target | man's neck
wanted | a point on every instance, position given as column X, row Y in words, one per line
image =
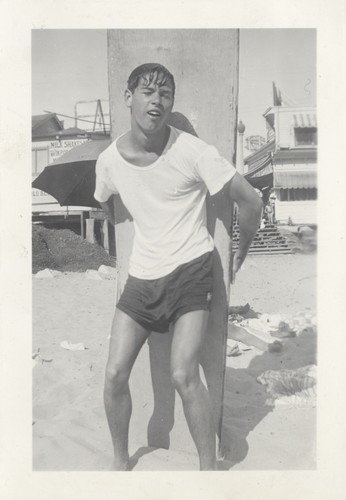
column 149, row 143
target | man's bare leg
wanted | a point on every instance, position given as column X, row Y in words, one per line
column 127, row 338
column 189, row 333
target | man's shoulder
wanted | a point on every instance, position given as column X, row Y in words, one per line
column 110, row 152
column 189, row 143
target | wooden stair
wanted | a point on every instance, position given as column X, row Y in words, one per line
column 267, row 241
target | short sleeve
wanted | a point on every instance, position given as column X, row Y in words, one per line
column 102, row 187
column 214, row 170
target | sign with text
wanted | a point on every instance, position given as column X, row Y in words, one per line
column 59, row 148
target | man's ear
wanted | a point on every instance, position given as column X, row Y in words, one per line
column 128, row 98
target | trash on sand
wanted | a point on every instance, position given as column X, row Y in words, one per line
column 107, row 272
column 233, row 350
column 293, row 387
column 37, row 358
column 266, row 325
column 236, row 348
column 73, row 347
column 259, row 332
column 284, row 331
column 254, row 338
column 241, row 310
column 91, row 274
column 303, row 321
column 47, row 273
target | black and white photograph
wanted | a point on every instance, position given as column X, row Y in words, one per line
column 174, row 258
column 202, row 244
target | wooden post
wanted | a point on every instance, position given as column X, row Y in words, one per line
column 111, row 240
column 108, row 237
column 90, row 230
column 205, row 66
column 82, row 224
column 105, row 235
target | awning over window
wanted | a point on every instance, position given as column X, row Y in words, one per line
column 261, row 182
column 295, row 179
column 301, row 155
column 304, row 120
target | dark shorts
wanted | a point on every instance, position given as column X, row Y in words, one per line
column 154, row 304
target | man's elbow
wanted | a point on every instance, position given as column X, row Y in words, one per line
column 252, row 204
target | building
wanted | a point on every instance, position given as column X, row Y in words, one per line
column 286, row 164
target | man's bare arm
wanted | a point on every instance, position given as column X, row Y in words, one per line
column 250, row 209
column 108, row 208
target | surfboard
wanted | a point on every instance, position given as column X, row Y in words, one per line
column 205, row 66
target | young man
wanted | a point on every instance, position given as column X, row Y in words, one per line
column 162, row 176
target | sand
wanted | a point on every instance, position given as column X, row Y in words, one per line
column 69, row 426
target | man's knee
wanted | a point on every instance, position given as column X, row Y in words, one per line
column 116, row 378
column 184, row 380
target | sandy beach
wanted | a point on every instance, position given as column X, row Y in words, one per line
column 70, row 432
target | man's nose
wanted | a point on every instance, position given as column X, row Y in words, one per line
column 156, row 98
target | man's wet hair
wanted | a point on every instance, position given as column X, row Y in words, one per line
column 150, row 72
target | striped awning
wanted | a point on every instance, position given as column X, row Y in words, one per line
column 304, row 120
column 261, row 167
column 295, row 179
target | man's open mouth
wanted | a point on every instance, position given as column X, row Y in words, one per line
column 155, row 114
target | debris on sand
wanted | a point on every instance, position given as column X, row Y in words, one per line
column 91, row 274
column 274, row 325
column 107, row 272
column 239, row 310
column 72, row 347
column 37, row 358
column 259, row 331
column 247, row 339
column 292, row 387
column 47, row 274
column 233, row 349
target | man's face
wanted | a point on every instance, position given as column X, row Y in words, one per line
column 150, row 104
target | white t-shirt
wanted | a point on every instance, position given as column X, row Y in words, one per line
column 166, row 200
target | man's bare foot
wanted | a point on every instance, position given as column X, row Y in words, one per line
column 211, row 467
column 208, row 465
column 121, row 465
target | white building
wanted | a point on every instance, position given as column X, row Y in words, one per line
column 287, row 163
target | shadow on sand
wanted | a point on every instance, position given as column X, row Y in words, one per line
column 297, row 352
column 238, row 420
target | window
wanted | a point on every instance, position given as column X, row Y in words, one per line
column 298, row 194
column 306, row 136
column 39, row 160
